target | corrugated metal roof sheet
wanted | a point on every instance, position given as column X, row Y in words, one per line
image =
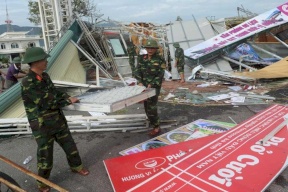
column 9, row 97
column 63, row 65
column 191, row 33
column 16, row 110
column 67, row 66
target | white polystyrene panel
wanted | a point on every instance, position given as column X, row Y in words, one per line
column 112, row 95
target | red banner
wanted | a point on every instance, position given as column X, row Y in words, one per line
column 224, row 162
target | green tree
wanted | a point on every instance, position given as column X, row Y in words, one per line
column 5, row 60
column 86, row 8
column 34, row 14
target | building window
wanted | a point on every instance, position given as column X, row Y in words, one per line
column 31, row 44
column 117, row 47
column 3, row 46
column 14, row 45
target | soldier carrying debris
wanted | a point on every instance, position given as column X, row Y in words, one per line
column 131, row 50
column 149, row 73
column 43, row 104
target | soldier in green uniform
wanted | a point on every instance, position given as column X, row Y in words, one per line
column 43, row 104
column 179, row 61
column 169, row 67
column 131, row 50
column 149, row 73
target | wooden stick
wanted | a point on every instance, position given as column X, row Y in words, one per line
column 49, row 183
column 11, row 186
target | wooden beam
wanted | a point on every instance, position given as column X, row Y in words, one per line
column 35, row 176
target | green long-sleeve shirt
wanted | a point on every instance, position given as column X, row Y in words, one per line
column 150, row 71
column 43, row 102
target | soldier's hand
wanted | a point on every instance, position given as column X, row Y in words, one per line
column 140, row 84
column 74, row 100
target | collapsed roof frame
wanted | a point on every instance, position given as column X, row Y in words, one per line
column 221, row 44
column 146, row 31
column 99, row 60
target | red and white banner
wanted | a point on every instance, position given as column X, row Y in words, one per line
column 267, row 20
column 230, row 161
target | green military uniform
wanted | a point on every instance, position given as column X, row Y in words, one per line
column 151, row 71
column 179, row 57
column 169, row 67
column 132, row 53
column 43, row 104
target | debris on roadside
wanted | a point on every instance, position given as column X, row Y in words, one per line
column 200, row 92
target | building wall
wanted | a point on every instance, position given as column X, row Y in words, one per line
column 22, row 46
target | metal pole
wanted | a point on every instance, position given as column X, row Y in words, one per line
column 69, row 8
column 273, row 132
column 279, row 40
column 185, row 36
column 265, row 51
column 97, row 76
column 122, row 79
column 238, row 63
column 58, row 15
column 80, row 37
column 122, row 38
column 88, row 56
column 198, row 29
column 43, row 24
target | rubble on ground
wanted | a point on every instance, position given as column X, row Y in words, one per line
column 201, row 92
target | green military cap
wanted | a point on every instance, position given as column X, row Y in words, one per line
column 17, row 60
column 34, row 54
column 151, row 43
column 176, row 45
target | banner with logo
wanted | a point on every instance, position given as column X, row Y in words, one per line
column 227, row 161
column 267, row 20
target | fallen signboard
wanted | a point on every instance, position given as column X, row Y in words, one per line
column 196, row 129
column 268, row 20
column 229, row 161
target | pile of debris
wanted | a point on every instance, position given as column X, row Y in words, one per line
column 201, row 92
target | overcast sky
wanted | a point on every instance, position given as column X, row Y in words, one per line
column 155, row 11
